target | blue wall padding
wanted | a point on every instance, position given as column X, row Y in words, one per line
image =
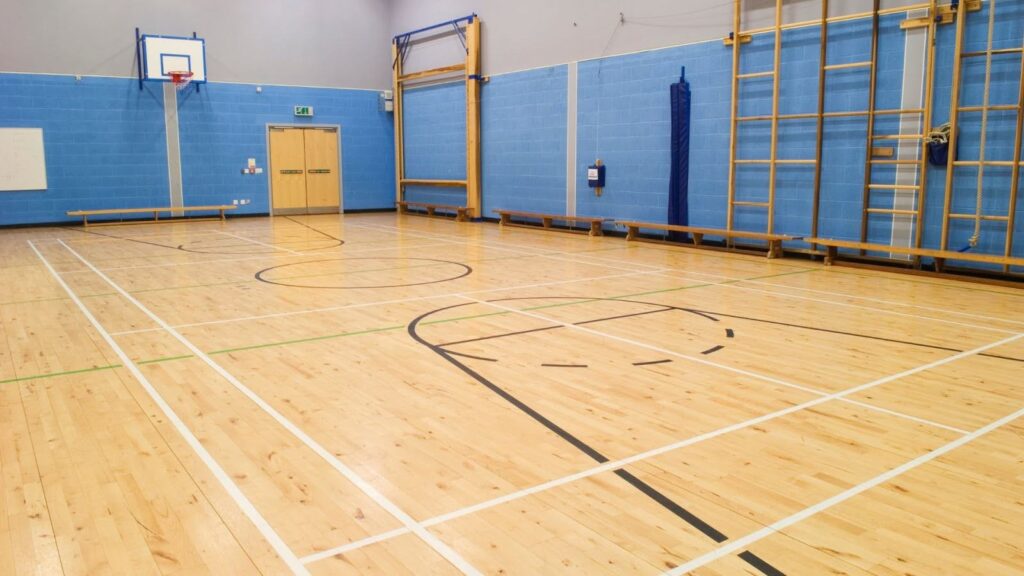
column 679, row 179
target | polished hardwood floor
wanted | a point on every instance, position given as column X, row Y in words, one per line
column 383, row 394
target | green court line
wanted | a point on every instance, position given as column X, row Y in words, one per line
column 63, row 373
column 393, row 328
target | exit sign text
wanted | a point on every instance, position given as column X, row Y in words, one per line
column 303, row 110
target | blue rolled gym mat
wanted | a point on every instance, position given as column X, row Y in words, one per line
column 679, row 179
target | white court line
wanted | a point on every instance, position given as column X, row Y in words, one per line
column 343, row 251
column 726, row 284
column 879, row 300
column 810, row 511
column 271, row 246
column 827, row 292
column 395, row 301
column 222, row 477
column 705, row 362
column 646, row 455
column 430, row 539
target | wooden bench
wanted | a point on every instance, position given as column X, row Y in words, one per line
column 832, row 247
column 430, row 209
column 546, row 220
column 155, row 211
column 697, row 234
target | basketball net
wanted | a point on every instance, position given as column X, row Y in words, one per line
column 180, row 79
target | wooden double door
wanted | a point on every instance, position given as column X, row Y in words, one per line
column 304, row 170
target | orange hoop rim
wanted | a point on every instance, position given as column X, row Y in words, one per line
column 180, row 77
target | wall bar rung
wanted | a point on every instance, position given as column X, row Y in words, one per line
column 886, row 112
column 993, row 52
column 893, row 187
column 972, row 217
column 897, row 137
column 433, row 182
column 866, row 64
column 896, row 162
column 999, row 107
column 756, row 74
column 891, row 211
column 442, row 71
column 809, row 161
column 750, row 203
column 1010, row 163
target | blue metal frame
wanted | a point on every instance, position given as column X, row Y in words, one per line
column 403, row 40
column 143, row 65
column 455, row 22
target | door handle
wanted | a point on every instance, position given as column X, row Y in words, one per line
column 319, row 171
column 291, row 171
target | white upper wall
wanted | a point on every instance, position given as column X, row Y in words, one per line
column 523, row 34
column 338, row 43
column 346, row 43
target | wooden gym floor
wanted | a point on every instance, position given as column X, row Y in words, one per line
column 376, row 394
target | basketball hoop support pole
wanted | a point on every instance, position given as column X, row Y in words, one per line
column 138, row 56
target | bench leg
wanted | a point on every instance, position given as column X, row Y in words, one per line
column 430, row 210
column 505, row 219
column 222, row 218
column 830, row 255
column 461, row 215
column 595, row 229
column 698, row 238
column 940, row 263
column 774, row 249
column 631, row 233
column 546, row 222
column 156, row 216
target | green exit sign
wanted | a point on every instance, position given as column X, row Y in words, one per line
column 303, row 110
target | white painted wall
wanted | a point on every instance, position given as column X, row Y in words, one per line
column 339, row 43
column 524, row 34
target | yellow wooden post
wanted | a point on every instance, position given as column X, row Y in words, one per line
column 954, row 113
column 396, row 94
column 473, row 191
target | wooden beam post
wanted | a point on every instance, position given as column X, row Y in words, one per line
column 735, row 109
column 473, row 79
column 954, row 114
column 396, row 95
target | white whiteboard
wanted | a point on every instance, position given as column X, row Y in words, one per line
column 22, row 162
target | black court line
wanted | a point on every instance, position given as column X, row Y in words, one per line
column 856, row 335
column 712, row 350
column 466, row 271
column 757, row 562
column 651, row 363
column 564, row 365
column 181, row 247
column 667, row 503
column 318, row 231
column 464, row 355
column 729, row 333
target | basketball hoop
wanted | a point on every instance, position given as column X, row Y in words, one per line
column 180, row 79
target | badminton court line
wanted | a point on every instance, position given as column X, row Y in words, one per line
column 726, row 367
column 264, row 244
column 652, row 453
column 222, row 477
column 397, row 301
column 843, row 496
column 731, row 284
column 430, row 539
column 344, row 251
column 831, row 293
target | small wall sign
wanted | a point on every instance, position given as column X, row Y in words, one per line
column 303, row 110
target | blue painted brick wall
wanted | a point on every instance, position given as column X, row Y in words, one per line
column 435, row 140
column 224, row 124
column 524, row 141
column 104, row 142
